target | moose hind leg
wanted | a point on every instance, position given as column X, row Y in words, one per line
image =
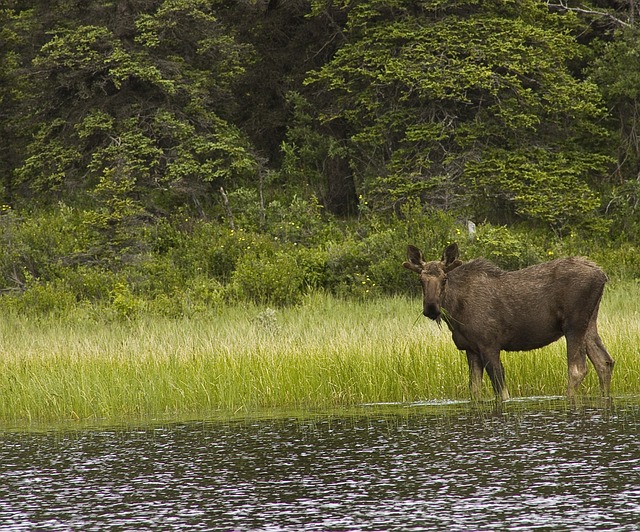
column 601, row 360
column 576, row 362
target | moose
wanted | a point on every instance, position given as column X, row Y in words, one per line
column 489, row 310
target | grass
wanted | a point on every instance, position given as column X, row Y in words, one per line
column 322, row 354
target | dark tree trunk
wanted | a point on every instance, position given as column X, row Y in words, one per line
column 341, row 198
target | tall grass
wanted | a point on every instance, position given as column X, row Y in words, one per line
column 321, row 354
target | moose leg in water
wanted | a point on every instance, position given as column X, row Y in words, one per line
column 475, row 373
column 576, row 361
column 581, row 345
column 495, row 370
column 598, row 354
column 489, row 310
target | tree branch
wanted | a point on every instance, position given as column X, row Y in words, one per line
column 227, row 208
column 561, row 6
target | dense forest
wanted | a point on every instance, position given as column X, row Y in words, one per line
column 173, row 155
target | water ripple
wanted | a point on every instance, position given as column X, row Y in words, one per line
column 449, row 467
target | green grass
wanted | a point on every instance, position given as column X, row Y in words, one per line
column 324, row 353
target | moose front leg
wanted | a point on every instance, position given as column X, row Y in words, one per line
column 495, row 369
column 475, row 374
column 576, row 361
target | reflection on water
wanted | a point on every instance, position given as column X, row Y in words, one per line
column 537, row 464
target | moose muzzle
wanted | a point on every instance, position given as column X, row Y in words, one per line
column 431, row 311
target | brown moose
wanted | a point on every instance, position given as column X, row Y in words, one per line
column 488, row 310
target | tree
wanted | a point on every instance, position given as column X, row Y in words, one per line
column 470, row 106
column 19, row 38
column 617, row 72
column 289, row 43
column 127, row 104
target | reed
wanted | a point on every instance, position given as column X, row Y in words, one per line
column 321, row 354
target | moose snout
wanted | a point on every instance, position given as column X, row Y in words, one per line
column 431, row 311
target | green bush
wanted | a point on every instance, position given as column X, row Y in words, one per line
column 150, row 275
column 214, row 250
column 124, row 304
column 428, row 229
column 90, row 283
column 387, row 251
column 312, row 262
column 38, row 244
column 508, row 248
column 299, row 221
column 187, row 266
column 41, row 299
column 618, row 262
column 200, row 296
column 274, row 280
column 346, row 265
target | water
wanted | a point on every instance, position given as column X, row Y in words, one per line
column 536, row 464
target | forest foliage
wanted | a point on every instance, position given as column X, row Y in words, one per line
column 177, row 154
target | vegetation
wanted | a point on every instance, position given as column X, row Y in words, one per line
column 155, row 151
column 136, row 112
column 168, row 159
column 323, row 354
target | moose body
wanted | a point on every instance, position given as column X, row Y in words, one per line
column 489, row 310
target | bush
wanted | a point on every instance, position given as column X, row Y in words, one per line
column 39, row 244
column 41, row 299
column 313, row 264
column 619, row 262
column 90, row 283
column 151, row 275
column 387, row 252
column 200, row 296
column 124, row 304
column 47, row 264
column 214, row 250
column 428, row 229
column 346, row 264
column 300, row 221
column 510, row 249
column 274, row 280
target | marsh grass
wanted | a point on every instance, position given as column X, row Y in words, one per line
column 323, row 353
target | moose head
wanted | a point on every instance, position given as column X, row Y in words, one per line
column 433, row 277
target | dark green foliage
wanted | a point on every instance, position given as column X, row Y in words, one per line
column 128, row 112
column 616, row 70
column 197, row 266
column 339, row 133
column 470, row 106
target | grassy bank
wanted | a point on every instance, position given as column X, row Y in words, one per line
column 323, row 353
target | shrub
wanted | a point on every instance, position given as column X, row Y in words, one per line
column 214, row 250
column 274, row 280
column 41, row 298
column 387, row 251
column 124, row 304
column 430, row 230
column 200, row 295
column 619, row 262
column 90, row 283
column 509, row 249
column 299, row 221
column 150, row 275
column 312, row 262
column 39, row 244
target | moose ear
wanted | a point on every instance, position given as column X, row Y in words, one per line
column 452, row 266
column 450, row 256
column 415, row 259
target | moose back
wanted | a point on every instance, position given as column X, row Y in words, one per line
column 489, row 310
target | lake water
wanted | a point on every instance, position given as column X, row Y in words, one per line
column 536, row 464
